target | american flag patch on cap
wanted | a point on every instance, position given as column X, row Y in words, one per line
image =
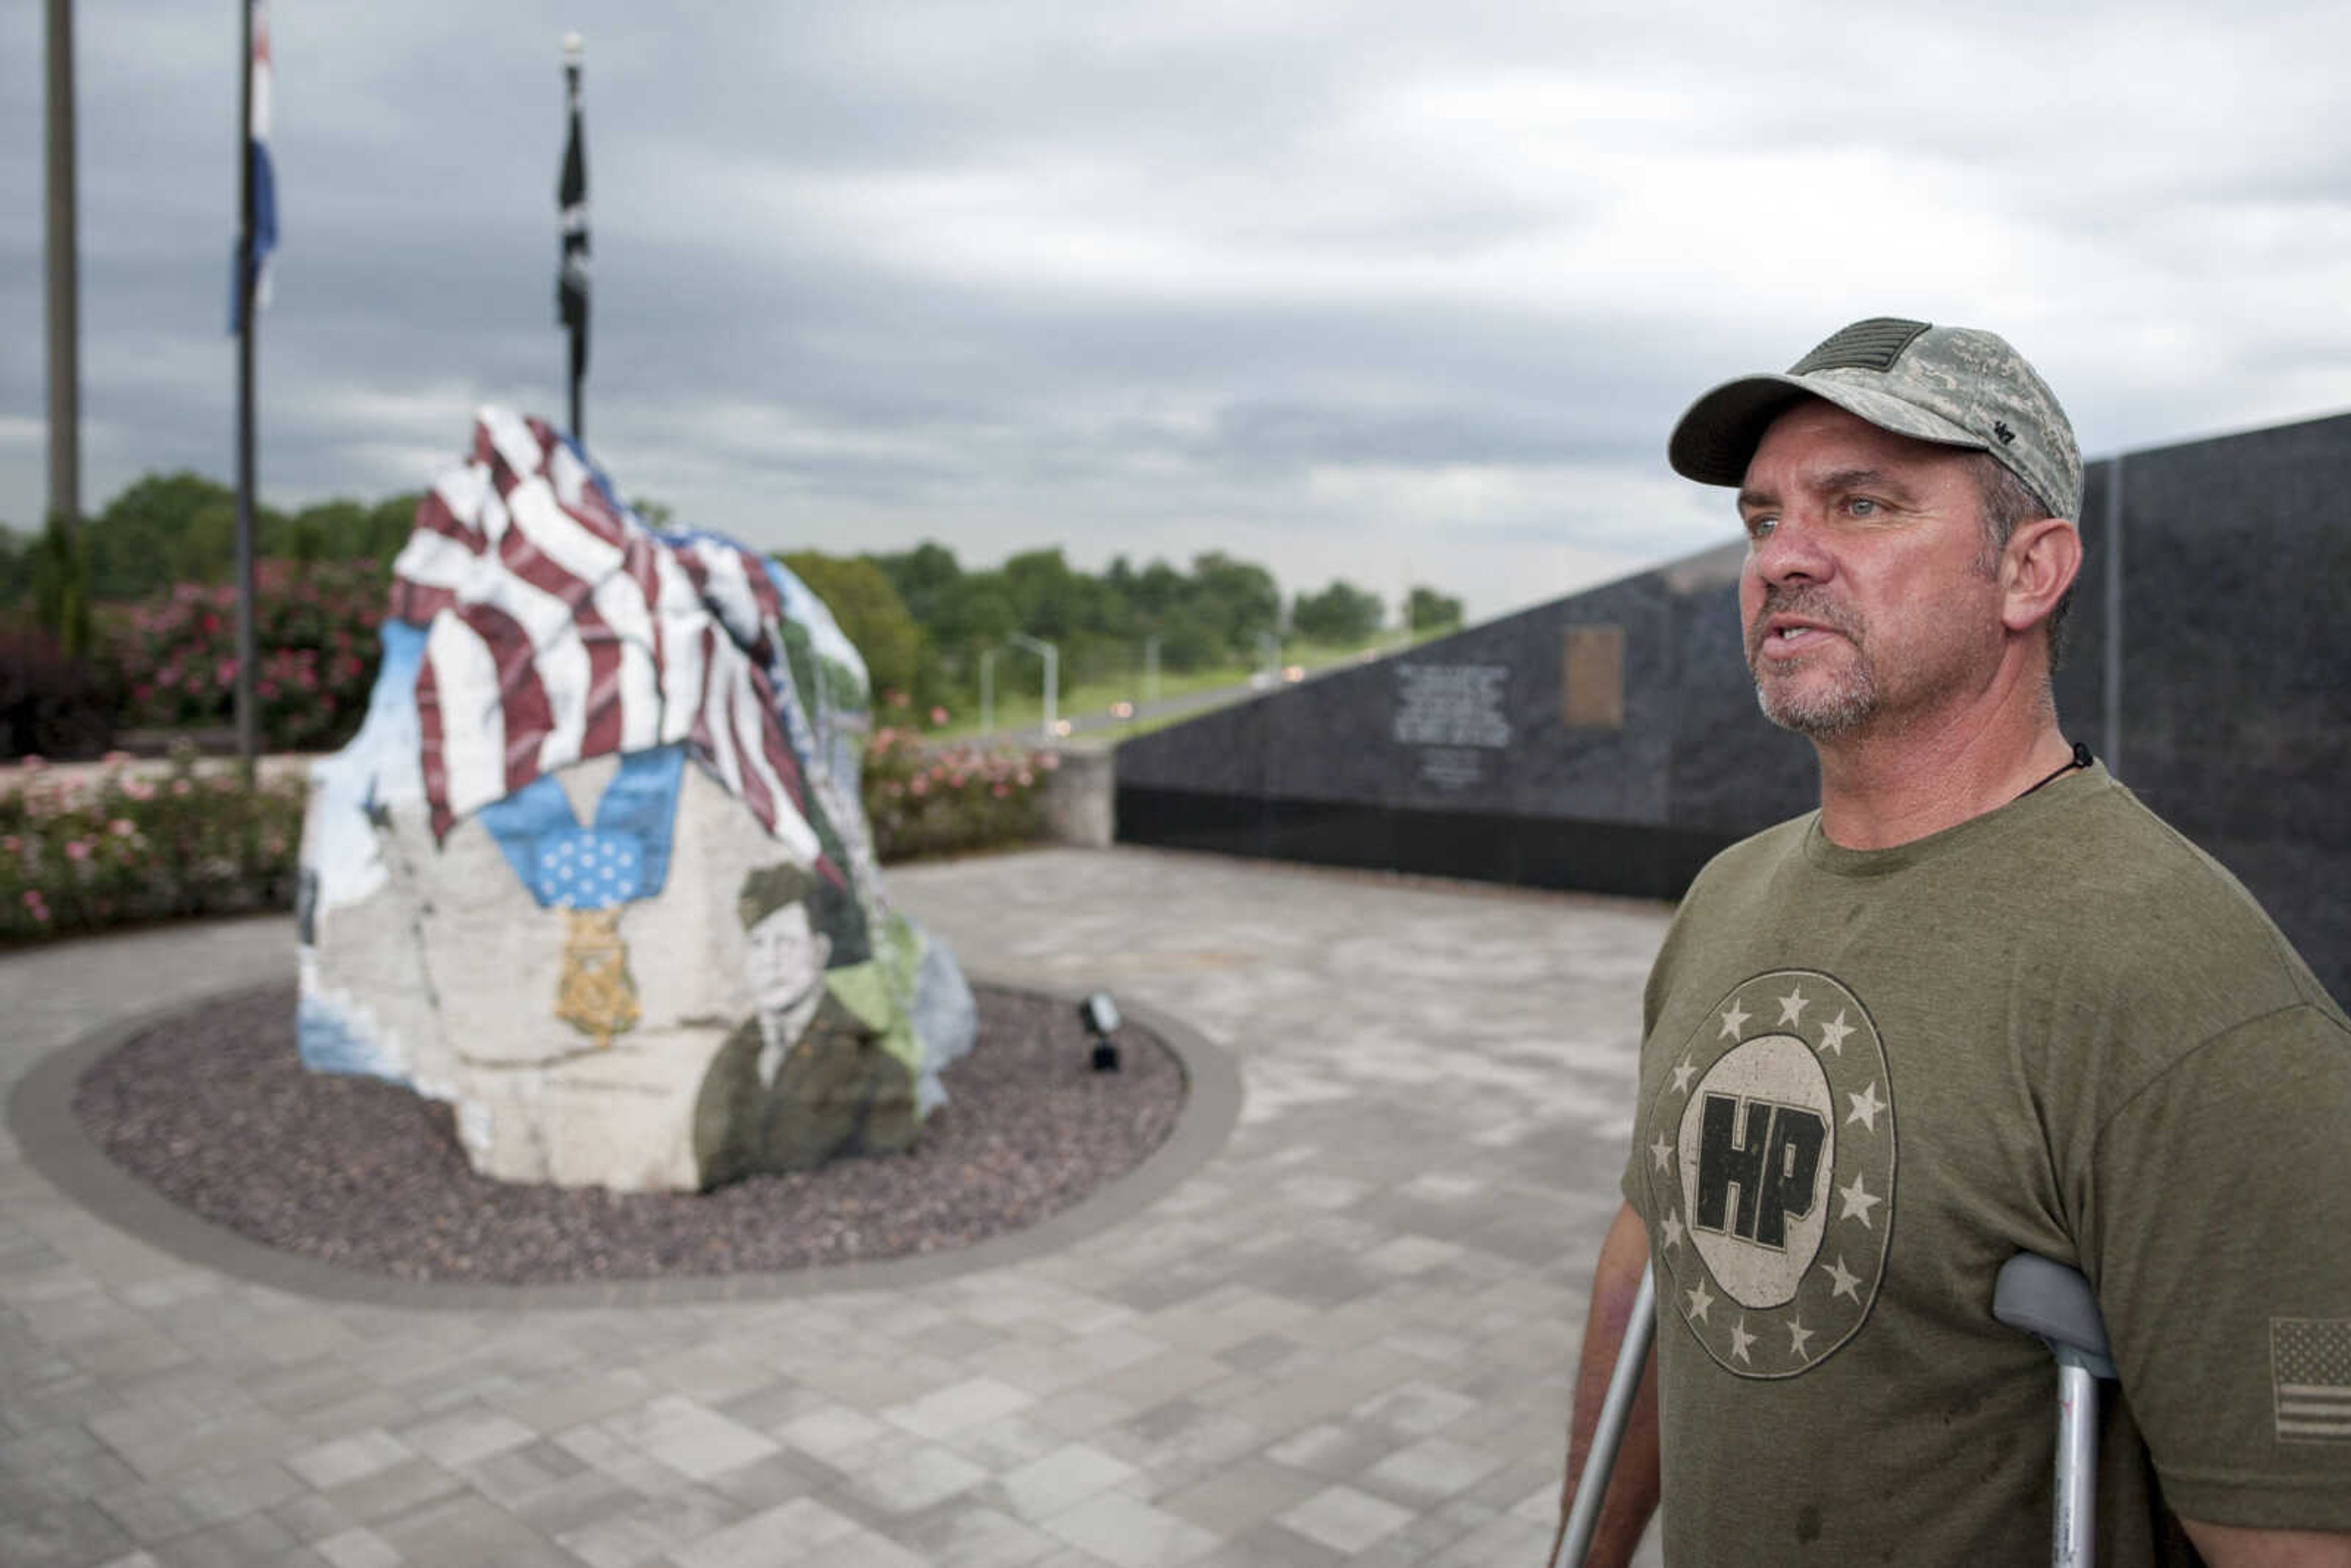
column 2310, row 1369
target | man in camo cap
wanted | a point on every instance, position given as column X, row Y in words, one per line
column 1981, row 1002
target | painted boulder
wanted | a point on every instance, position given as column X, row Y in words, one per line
column 594, row 871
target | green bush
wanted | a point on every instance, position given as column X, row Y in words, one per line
column 50, row 705
column 81, row 856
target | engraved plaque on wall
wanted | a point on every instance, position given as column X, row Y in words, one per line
column 1592, row 677
column 1456, row 716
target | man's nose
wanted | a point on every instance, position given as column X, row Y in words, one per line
column 1791, row 551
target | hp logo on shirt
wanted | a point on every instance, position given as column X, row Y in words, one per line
column 1771, row 1173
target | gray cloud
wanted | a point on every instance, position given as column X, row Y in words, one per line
column 1355, row 289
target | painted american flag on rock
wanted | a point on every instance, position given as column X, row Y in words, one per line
column 561, row 628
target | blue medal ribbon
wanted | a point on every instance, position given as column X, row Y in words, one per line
column 622, row 857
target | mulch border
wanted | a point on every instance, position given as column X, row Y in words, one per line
column 42, row 1119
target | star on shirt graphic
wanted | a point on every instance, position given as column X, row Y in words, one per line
column 1857, row 1201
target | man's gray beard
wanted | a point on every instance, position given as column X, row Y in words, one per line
column 1820, row 715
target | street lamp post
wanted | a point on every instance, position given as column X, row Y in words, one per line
column 1053, row 657
column 1269, row 645
column 64, row 281
column 987, row 691
column 1151, row 668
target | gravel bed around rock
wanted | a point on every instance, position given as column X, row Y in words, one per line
column 215, row 1111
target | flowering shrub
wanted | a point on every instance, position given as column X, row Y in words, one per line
column 80, row 856
column 927, row 800
column 174, row 657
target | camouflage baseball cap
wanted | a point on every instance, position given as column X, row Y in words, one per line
column 1954, row 385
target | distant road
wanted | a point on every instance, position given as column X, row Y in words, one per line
column 1102, row 722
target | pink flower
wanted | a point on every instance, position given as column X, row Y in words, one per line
column 121, row 828
column 938, row 715
column 1001, row 790
column 1049, row 761
column 115, row 759
column 1025, row 777
column 77, row 850
column 224, row 675
column 12, row 845
column 33, row 762
column 919, row 785
column 180, row 785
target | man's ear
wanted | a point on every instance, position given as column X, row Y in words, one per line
column 2039, row 565
column 823, row 950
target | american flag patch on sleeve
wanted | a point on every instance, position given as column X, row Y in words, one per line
column 2310, row 1373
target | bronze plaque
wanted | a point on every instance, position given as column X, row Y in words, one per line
column 1591, row 678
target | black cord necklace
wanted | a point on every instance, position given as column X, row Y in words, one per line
column 2081, row 758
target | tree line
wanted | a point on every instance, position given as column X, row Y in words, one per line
column 919, row 616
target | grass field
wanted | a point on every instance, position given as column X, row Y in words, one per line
column 1019, row 703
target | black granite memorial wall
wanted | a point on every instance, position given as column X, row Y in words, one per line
column 1465, row 756
column 1610, row 741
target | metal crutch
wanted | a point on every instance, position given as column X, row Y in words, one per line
column 2054, row 1305
column 1608, row 1434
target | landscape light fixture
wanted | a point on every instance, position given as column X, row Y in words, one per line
column 1099, row 1015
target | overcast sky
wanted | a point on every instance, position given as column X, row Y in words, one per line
column 1352, row 289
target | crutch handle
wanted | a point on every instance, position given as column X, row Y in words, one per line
column 2056, row 1305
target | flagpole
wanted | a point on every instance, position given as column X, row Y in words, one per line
column 248, row 718
column 571, row 289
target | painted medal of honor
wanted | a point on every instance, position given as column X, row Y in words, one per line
column 1770, row 1173
column 591, row 874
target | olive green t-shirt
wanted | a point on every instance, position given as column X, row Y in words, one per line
column 1869, row 1078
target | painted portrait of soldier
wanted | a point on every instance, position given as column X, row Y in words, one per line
column 818, row 1071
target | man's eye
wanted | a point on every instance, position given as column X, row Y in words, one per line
column 1861, row 506
column 1762, row 528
